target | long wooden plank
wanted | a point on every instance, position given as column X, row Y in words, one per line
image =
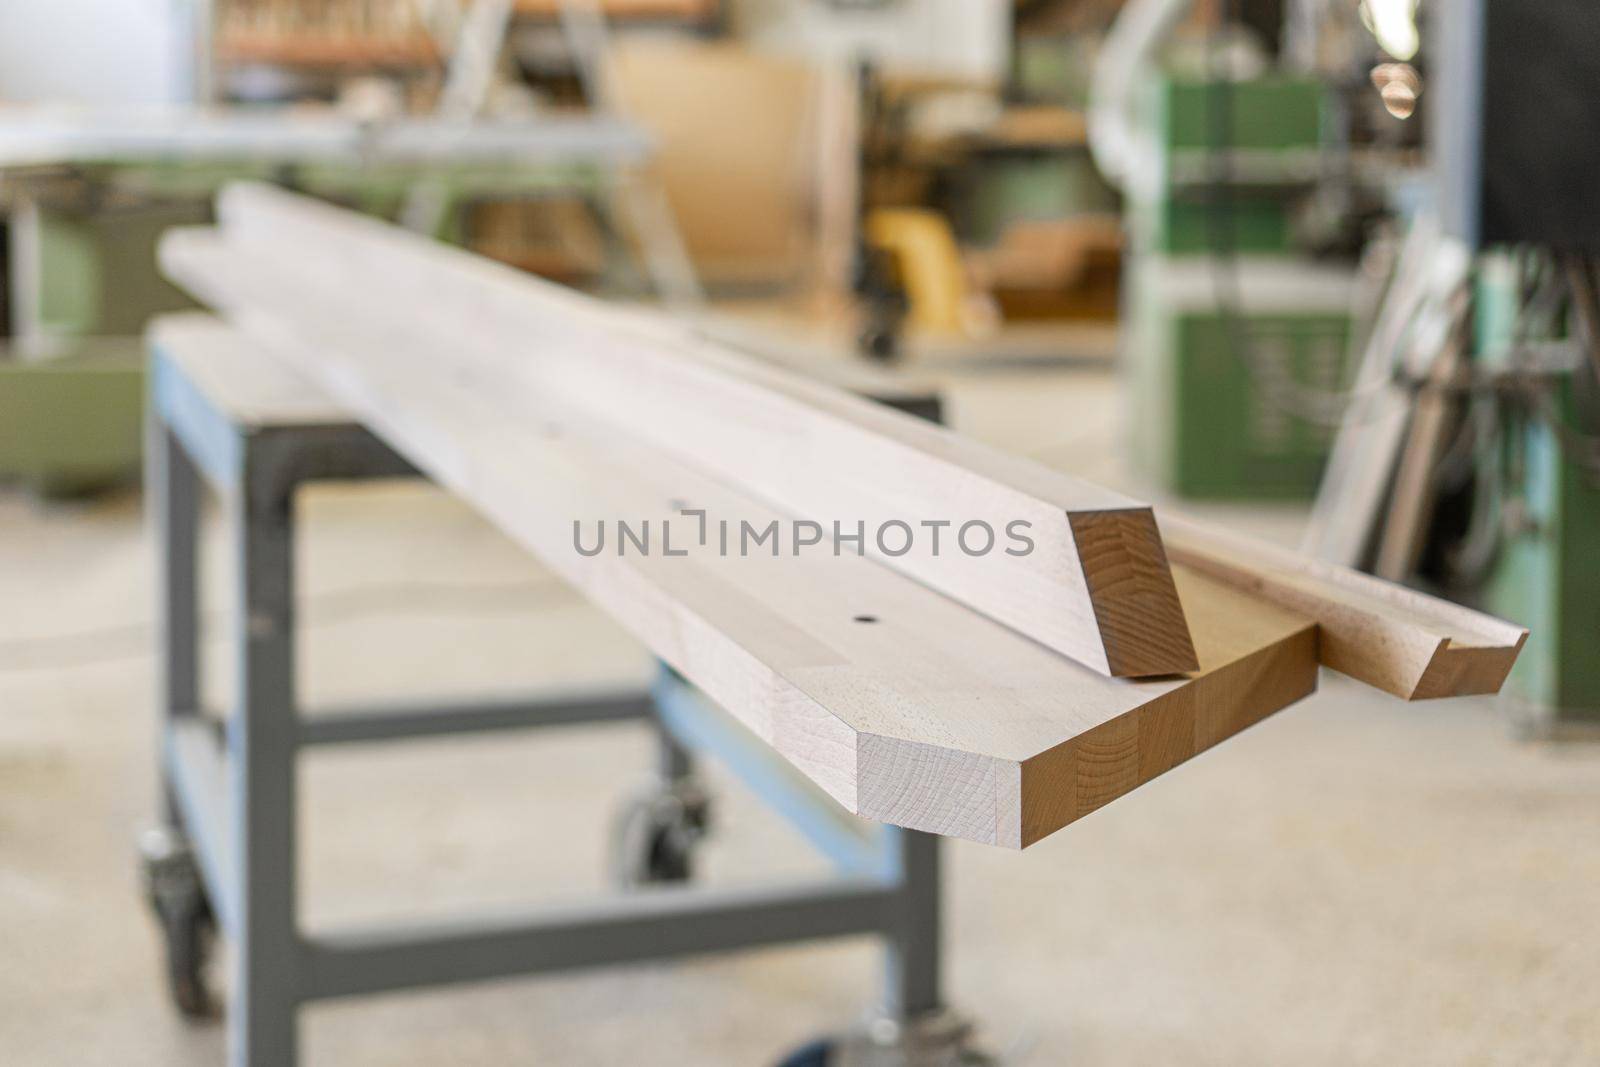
column 1095, row 584
column 1435, row 413
column 1404, row 642
column 903, row 704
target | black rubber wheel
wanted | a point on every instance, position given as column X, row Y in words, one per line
column 939, row 1037
column 815, row 1054
column 190, row 936
column 670, row 857
column 655, row 836
column 178, row 899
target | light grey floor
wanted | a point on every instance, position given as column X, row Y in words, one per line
column 1353, row 882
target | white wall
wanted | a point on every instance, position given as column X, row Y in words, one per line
column 93, row 51
column 967, row 38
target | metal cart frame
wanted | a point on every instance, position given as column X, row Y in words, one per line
column 231, row 791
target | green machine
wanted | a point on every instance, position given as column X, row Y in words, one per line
column 1547, row 487
column 71, row 423
column 1225, row 320
column 1546, row 578
column 1211, row 421
column 82, row 284
column 1271, row 154
column 87, row 197
column 82, row 265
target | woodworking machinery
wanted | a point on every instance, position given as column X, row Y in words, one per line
column 1220, row 297
column 86, row 195
column 1536, row 485
column 1515, row 125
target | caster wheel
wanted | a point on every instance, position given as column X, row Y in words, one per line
column 188, row 925
column 940, row 1039
column 655, row 835
column 815, row 1054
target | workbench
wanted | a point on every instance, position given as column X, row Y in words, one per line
column 84, row 137
column 993, row 696
column 226, row 416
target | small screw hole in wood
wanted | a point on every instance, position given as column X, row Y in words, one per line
column 866, row 618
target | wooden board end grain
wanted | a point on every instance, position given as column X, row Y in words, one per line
column 1132, row 593
column 1253, row 663
column 1254, row 660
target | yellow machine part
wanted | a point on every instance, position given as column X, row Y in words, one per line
column 929, row 262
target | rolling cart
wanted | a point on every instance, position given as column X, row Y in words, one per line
column 224, row 415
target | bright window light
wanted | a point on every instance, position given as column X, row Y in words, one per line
column 1394, row 24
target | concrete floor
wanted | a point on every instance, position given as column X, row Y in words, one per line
column 1355, row 881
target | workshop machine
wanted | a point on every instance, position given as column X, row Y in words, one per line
column 86, row 193
column 1544, row 480
column 82, row 229
column 1516, row 128
column 1489, row 488
column 1221, row 292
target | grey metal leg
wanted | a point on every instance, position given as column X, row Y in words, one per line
column 173, row 485
column 172, row 876
column 674, row 761
column 262, row 737
column 911, row 982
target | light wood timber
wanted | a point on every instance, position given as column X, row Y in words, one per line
column 901, row 703
column 1096, row 585
column 229, row 370
column 1406, row 643
column 1435, row 414
column 322, row 48
column 1418, row 313
column 629, row 9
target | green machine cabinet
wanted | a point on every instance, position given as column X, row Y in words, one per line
column 1548, row 579
column 89, row 270
column 1545, row 574
column 1274, row 143
column 1208, row 424
column 72, row 423
column 1205, row 425
column 82, row 282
